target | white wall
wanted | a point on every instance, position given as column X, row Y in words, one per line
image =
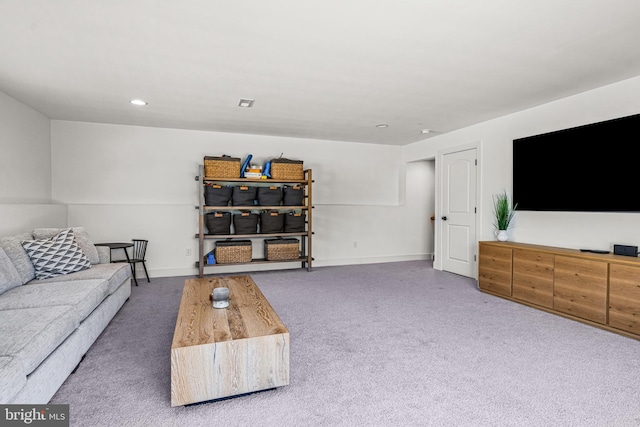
column 25, row 153
column 22, row 218
column 565, row 229
column 25, row 170
column 348, row 235
column 124, row 182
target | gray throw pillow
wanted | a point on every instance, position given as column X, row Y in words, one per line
column 82, row 239
column 56, row 256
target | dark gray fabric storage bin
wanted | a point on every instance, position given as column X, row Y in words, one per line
column 217, row 195
column 243, row 195
column 218, row 222
column 292, row 195
column 245, row 223
column 269, row 196
column 271, row 222
column 294, row 222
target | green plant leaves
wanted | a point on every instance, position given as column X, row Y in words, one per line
column 502, row 211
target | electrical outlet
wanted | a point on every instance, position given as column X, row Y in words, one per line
column 187, row 252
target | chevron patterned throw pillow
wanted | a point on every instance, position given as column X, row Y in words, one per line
column 56, row 256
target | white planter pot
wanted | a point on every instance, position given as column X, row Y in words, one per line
column 502, row 235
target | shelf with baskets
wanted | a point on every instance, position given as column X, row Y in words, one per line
column 229, row 230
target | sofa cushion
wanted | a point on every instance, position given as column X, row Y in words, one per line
column 114, row 273
column 18, row 256
column 12, row 378
column 104, row 254
column 82, row 239
column 9, row 276
column 83, row 295
column 57, row 255
column 31, row 334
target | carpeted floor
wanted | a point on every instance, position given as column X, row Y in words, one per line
column 396, row 344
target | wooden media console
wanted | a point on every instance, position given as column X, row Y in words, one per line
column 602, row 290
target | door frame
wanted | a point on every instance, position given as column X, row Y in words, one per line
column 437, row 263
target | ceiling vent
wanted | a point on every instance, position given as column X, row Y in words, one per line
column 246, row 103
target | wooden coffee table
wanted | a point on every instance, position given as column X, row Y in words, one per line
column 225, row 352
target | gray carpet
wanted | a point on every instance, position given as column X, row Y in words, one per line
column 396, row 344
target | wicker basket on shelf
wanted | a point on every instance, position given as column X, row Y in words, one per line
column 287, row 169
column 233, row 251
column 222, row 167
column 281, row 249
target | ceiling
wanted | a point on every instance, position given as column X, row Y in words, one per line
column 325, row 70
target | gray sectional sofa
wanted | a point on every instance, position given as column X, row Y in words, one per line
column 47, row 325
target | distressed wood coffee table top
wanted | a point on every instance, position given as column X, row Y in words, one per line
column 249, row 313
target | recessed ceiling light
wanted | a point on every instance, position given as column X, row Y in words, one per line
column 138, row 102
column 246, row 103
column 425, row 131
column 382, row 125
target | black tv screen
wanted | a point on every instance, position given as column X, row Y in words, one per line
column 591, row 168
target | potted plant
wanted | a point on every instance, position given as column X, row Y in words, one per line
column 503, row 213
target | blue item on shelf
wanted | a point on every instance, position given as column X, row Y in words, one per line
column 266, row 171
column 210, row 258
column 244, row 165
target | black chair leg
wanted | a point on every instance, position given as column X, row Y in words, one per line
column 133, row 272
column 145, row 271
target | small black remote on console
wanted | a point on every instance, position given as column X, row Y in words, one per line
column 595, row 251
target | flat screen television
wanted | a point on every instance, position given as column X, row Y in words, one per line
column 591, row 168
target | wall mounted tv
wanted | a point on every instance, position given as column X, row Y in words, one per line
column 591, row 168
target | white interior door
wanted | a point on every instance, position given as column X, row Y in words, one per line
column 458, row 213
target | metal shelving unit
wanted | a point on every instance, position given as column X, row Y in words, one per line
column 306, row 237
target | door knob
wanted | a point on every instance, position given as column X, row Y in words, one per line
column 444, row 218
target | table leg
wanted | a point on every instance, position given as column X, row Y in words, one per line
column 131, row 265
